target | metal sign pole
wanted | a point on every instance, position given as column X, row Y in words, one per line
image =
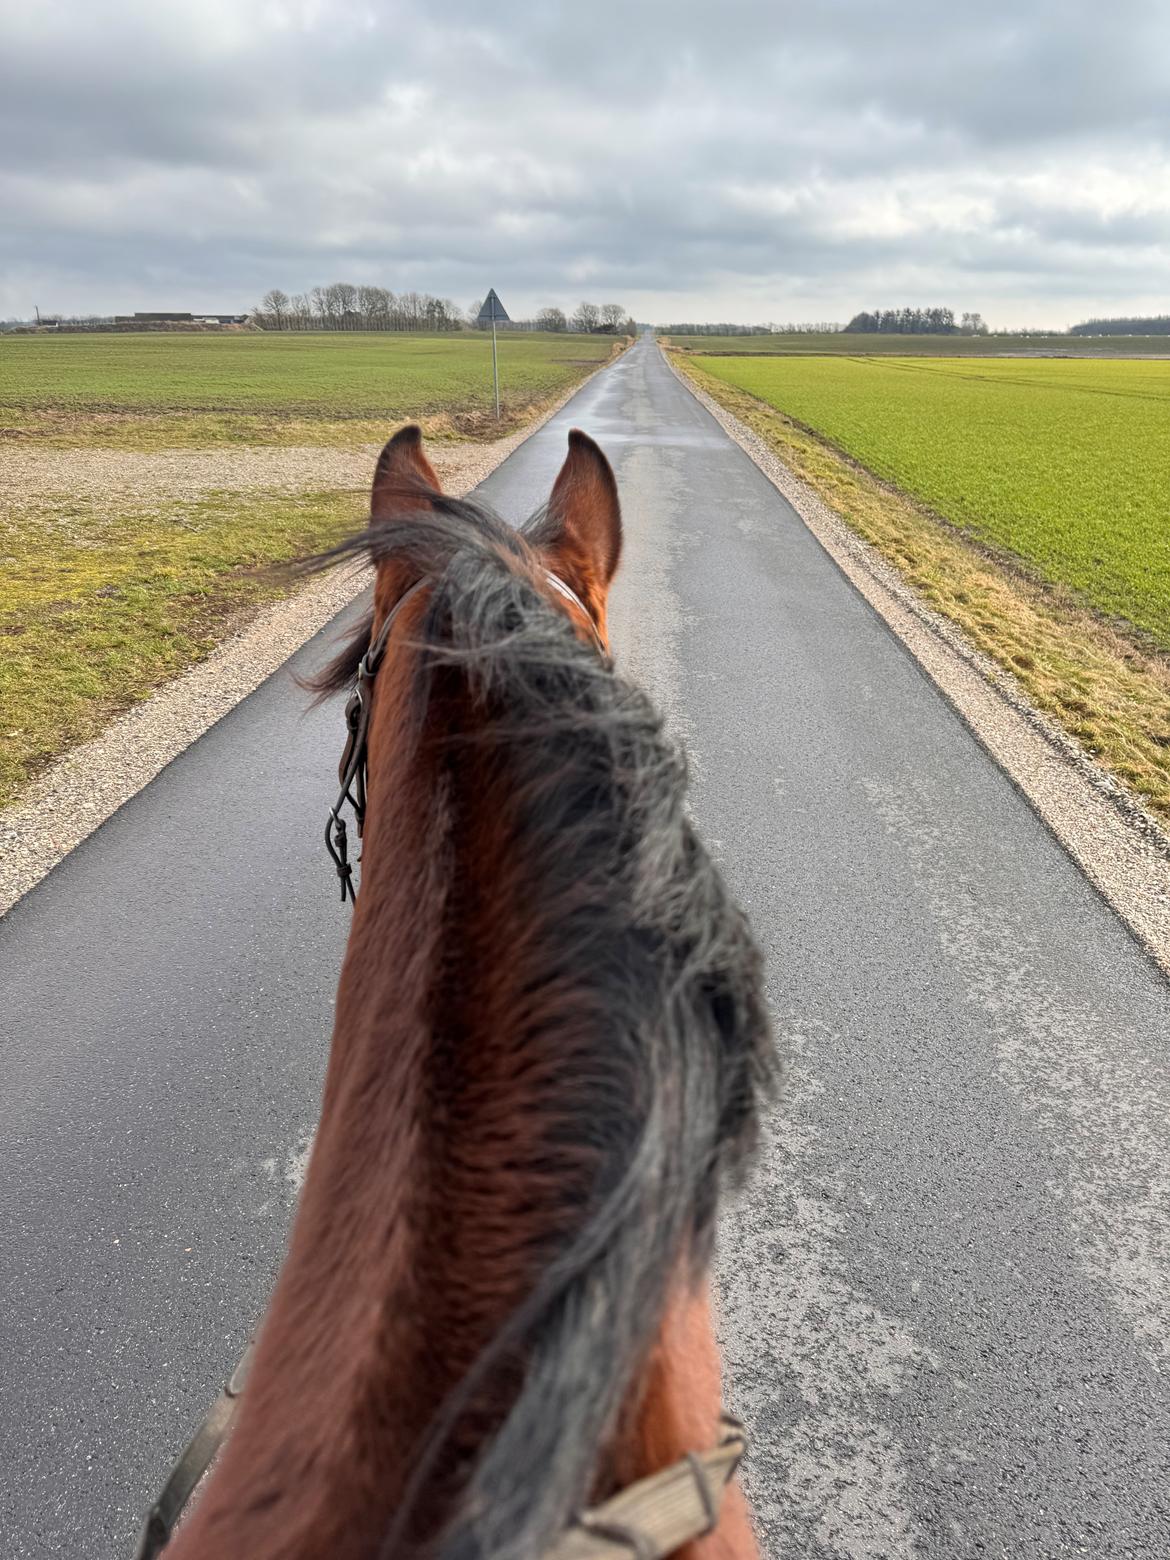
column 491, row 311
column 495, row 367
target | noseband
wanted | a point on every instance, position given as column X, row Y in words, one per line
column 351, row 771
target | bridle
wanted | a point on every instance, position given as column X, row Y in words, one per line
column 351, row 771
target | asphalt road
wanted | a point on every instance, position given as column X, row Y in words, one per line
column 946, row 1301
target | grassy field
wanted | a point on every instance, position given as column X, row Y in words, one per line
column 924, row 346
column 100, row 605
column 1064, row 464
column 123, row 562
column 1026, row 500
column 160, row 391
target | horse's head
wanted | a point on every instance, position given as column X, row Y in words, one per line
column 575, row 541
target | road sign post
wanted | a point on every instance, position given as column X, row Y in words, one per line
column 493, row 310
column 495, row 369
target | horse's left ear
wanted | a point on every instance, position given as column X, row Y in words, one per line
column 402, row 476
column 584, row 537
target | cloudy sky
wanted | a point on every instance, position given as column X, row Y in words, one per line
column 719, row 160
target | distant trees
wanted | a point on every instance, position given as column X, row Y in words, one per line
column 904, row 322
column 342, row 306
column 1136, row 325
column 609, row 319
column 916, row 322
column 813, row 328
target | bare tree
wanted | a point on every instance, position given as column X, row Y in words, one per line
column 321, row 307
column 345, row 296
column 612, row 315
column 369, row 306
column 586, row 317
column 274, row 310
column 552, row 319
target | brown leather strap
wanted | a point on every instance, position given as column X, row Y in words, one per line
column 648, row 1521
column 192, row 1465
column 658, row 1515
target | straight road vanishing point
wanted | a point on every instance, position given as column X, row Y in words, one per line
column 946, row 1299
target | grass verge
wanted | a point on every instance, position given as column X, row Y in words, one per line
column 1106, row 687
column 98, row 609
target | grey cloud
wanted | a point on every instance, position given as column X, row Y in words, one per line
column 740, row 159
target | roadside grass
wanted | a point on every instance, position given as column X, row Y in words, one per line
column 98, row 609
column 165, row 391
column 1106, row 683
column 802, row 343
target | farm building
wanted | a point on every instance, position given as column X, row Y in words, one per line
column 162, row 317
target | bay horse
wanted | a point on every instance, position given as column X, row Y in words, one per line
column 550, row 1047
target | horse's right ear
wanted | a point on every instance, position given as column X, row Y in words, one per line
column 403, row 476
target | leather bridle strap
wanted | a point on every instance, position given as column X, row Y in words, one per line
column 192, row 1465
column 648, row 1521
column 658, row 1515
column 351, row 772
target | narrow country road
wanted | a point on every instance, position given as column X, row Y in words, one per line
column 946, row 1299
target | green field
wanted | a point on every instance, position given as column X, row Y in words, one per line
column 147, row 495
column 1065, row 465
column 243, row 386
column 851, row 345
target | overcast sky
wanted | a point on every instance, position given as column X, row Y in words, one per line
column 719, row 160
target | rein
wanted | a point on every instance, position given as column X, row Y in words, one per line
column 351, row 771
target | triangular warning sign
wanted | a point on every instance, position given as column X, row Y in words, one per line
column 492, row 309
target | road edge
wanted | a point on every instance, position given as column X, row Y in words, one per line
column 1118, row 845
column 79, row 791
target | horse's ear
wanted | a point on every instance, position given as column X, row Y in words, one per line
column 584, row 538
column 402, row 477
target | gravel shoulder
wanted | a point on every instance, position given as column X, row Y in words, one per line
column 79, row 791
column 34, row 476
column 1119, row 846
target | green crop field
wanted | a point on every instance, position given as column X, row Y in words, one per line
column 213, row 378
column 154, row 487
column 851, row 345
column 1064, row 464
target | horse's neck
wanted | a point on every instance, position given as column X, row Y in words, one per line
column 415, row 1237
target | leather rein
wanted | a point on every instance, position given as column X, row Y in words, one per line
column 351, row 771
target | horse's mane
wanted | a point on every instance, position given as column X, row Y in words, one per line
column 668, row 1046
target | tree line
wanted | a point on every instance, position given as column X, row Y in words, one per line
column 916, row 322
column 343, row 306
column 694, row 328
column 587, row 319
column 1139, row 325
